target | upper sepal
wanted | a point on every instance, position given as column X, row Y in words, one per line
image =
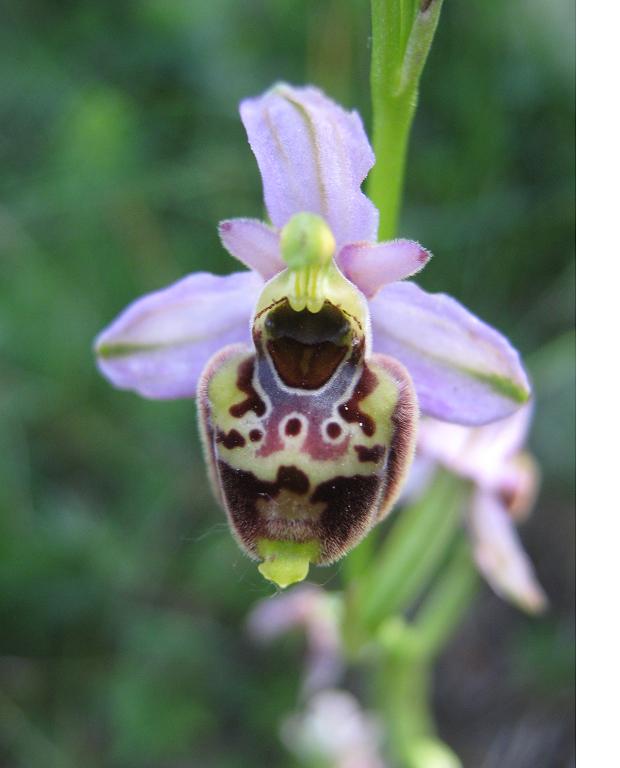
column 313, row 156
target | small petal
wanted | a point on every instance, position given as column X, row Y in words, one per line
column 463, row 370
column 500, row 555
column 313, row 157
column 159, row 345
column 505, row 438
column 371, row 267
column 255, row 244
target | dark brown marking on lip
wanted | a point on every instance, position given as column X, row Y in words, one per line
column 293, row 479
column 307, row 347
column 289, row 477
column 347, row 505
column 284, row 302
column 230, row 440
column 329, row 324
column 252, row 401
column 374, row 454
column 333, row 430
column 350, row 505
column 255, row 435
column 293, row 427
column 242, row 491
column 305, row 366
column 351, row 411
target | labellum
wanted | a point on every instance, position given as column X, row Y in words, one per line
column 308, row 436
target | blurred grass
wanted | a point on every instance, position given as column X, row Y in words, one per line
column 122, row 594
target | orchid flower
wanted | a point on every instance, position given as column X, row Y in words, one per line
column 504, row 480
column 310, row 367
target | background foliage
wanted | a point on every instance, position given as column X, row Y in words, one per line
column 123, row 597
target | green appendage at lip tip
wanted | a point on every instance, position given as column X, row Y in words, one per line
column 286, row 562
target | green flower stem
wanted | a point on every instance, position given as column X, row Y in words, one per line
column 402, row 693
column 412, row 552
column 451, row 596
column 402, row 34
column 423, row 536
column 404, row 665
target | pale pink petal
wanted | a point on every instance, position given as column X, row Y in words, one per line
column 313, row 156
column 255, row 244
column 159, row 345
column 478, row 453
column 371, row 266
column 500, row 555
column 503, row 438
column 464, row 371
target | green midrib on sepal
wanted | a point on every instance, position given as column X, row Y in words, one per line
column 503, row 385
column 124, row 349
column 500, row 384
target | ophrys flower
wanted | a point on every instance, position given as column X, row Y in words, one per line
column 306, row 404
